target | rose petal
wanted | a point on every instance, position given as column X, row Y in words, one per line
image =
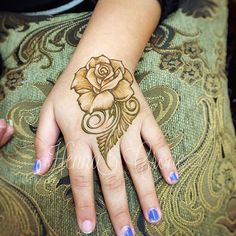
column 80, row 84
column 118, row 65
column 92, row 78
column 128, row 76
column 98, row 68
column 86, row 100
column 123, row 91
column 95, row 60
column 102, row 101
column 112, row 83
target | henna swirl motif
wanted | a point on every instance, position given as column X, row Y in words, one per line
column 106, row 97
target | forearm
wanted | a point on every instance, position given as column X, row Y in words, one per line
column 118, row 29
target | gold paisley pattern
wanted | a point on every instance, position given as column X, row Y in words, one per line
column 171, row 61
column 32, row 46
column 18, row 210
column 181, row 74
column 163, row 101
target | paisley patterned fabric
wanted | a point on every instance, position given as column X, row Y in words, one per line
column 181, row 74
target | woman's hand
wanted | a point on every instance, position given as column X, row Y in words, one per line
column 6, row 131
column 102, row 113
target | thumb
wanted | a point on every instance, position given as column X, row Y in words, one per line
column 45, row 140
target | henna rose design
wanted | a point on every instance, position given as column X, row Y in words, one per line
column 101, row 83
column 106, row 97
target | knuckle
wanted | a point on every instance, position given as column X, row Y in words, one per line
column 113, row 182
column 36, row 142
column 149, row 195
column 84, row 206
column 80, row 181
column 121, row 214
column 160, row 143
column 39, row 142
column 165, row 163
column 141, row 166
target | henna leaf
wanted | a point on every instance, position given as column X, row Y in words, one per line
column 126, row 112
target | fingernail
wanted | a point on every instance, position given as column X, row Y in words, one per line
column 37, row 166
column 10, row 122
column 153, row 215
column 127, row 231
column 174, row 177
column 87, row 227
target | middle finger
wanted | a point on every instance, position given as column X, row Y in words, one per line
column 114, row 191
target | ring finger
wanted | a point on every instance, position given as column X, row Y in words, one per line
column 137, row 162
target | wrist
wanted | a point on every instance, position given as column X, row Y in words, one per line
column 79, row 59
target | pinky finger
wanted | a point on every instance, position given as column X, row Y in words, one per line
column 154, row 137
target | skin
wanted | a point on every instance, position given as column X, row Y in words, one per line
column 6, row 132
column 127, row 24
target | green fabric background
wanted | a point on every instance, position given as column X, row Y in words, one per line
column 181, row 74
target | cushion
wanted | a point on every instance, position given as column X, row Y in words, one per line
column 181, row 74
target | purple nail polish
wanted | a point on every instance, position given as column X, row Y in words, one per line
column 153, row 215
column 174, row 177
column 127, row 231
column 37, row 166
